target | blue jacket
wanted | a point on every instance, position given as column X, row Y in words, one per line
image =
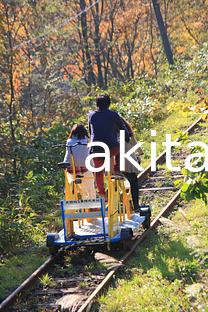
column 104, row 126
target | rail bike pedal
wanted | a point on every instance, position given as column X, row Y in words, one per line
column 78, row 179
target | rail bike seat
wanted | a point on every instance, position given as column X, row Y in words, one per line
column 117, row 176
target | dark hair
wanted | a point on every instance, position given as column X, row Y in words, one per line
column 103, row 101
column 79, row 131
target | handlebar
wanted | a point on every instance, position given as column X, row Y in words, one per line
column 64, row 165
column 65, row 145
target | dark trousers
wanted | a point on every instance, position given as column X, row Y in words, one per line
column 134, row 186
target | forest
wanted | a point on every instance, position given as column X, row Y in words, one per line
column 55, row 58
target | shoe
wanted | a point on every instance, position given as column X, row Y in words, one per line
column 137, row 210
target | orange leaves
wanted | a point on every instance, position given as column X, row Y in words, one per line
column 71, row 70
column 180, row 49
column 16, row 79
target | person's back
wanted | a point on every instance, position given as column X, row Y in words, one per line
column 76, row 148
column 104, row 126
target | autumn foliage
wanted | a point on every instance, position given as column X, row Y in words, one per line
column 56, row 56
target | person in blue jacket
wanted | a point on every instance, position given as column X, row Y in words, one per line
column 104, row 125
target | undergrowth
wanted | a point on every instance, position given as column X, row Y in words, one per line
column 169, row 271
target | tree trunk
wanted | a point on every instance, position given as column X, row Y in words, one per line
column 96, row 19
column 163, row 32
column 90, row 74
column 11, row 105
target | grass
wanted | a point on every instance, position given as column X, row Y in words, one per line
column 169, row 271
column 84, row 284
column 94, row 268
column 16, row 269
column 47, row 281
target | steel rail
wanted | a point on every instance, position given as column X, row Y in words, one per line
column 141, row 177
column 138, row 240
column 29, row 281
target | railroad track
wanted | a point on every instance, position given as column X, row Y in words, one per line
column 78, row 279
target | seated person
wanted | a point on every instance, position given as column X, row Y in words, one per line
column 76, row 147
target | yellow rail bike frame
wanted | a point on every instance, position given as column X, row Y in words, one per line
column 119, row 201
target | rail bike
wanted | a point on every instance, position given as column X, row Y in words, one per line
column 89, row 220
